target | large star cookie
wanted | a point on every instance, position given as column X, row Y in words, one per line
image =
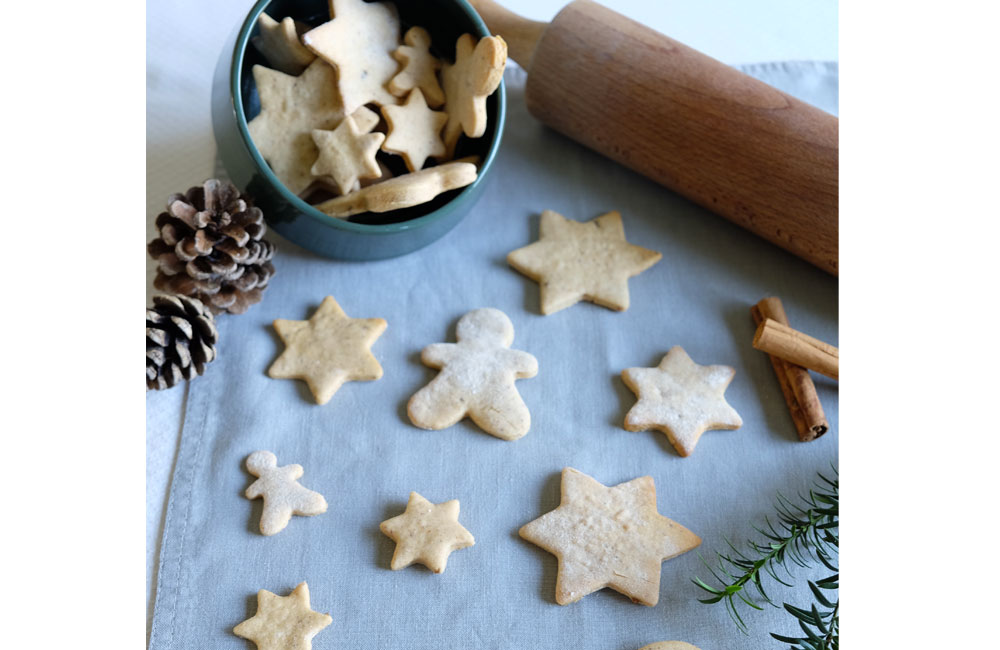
column 426, row 533
column 575, row 261
column 475, row 74
column 283, row 496
column 327, row 350
column 283, row 622
column 359, row 40
column 681, row 399
column 476, row 379
column 414, row 131
column 290, row 108
column 279, row 43
column 608, row 537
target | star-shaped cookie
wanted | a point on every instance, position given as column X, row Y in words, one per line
column 426, row 533
column 283, row 622
column 414, row 131
column 279, row 43
column 290, row 108
column 359, row 40
column 681, row 399
column 347, row 154
column 419, row 68
column 475, row 74
column 608, row 537
column 327, row 350
column 573, row 261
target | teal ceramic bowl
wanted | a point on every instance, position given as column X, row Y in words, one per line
column 367, row 236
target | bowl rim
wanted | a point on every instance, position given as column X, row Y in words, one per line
column 235, row 79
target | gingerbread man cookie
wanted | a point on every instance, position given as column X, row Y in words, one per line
column 402, row 191
column 476, row 379
column 476, row 73
column 283, row 496
column 419, row 68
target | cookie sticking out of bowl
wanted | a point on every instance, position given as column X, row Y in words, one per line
column 362, row 61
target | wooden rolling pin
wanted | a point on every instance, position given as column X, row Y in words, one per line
column 728, row 142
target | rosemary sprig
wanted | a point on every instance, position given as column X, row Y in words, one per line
column 803, row 533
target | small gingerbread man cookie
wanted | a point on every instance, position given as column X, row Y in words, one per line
column 476, row 379
column 283, row 496
column 419, row 68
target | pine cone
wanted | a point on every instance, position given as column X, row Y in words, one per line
column 211, row 247
column 180, row 340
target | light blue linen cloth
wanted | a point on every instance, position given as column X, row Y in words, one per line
column 362, row 453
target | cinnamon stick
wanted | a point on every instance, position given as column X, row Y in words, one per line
column 796, row 384
column 793, row 346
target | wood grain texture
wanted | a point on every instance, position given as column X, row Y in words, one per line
column 732, row 144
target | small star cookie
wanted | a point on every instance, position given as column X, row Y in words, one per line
column 419, row 68
column 280, row 44
column 359, row 40
column 476, row 73
column 283, row 622
column 426, row 533
column 290, row 108
column 414, row 131
column 476, row 379
column 575, row 261
column 327, row 350
column 347, row 153
column 681, row 399
column 608, row 537
column 283, row 496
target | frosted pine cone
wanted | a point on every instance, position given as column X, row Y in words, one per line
column 211, row 247
column 180, row 340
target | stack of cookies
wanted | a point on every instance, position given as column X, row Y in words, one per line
column 355, row 119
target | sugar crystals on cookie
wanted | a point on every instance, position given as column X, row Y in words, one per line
column 681, row 399
column 282, row 493
column 476, row 379
column 608, row 537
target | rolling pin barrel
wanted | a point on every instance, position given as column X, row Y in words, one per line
column 728, row 142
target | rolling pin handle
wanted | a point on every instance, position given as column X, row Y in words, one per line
column 521, row 34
